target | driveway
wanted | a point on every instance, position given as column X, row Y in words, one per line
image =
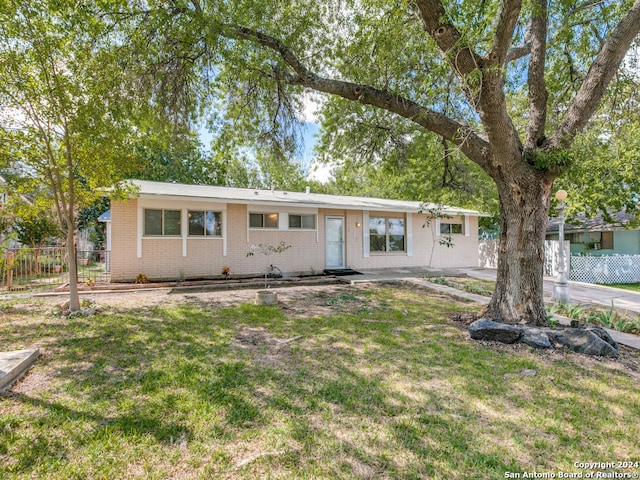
column 582, row 293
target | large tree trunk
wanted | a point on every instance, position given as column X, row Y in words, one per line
column 524, row 208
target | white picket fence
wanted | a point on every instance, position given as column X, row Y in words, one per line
column 604, row 269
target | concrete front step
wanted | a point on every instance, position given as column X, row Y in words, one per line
column 14, row 365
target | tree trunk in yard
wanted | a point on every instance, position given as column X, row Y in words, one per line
column 74, row 298
column 524, row 209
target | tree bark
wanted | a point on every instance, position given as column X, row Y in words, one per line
column 524, row 209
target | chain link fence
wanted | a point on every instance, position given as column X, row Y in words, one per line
column 605, row 269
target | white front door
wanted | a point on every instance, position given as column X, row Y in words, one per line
column 334, row 242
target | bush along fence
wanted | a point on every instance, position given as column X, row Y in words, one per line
column 27, row 268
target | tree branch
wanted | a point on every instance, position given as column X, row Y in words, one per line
column 600, row 74
column 470, row 142
column 504, row 31
column 537, row 89
column 518, row 52
column 448, row 38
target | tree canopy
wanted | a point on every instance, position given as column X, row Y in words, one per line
column 510, row 84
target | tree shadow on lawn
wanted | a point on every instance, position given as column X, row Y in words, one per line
column 46, row 444
column 346, row 396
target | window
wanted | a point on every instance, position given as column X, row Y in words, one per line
column 263, row 220
column 450, row 228
column 607, row 240
column 302, row 221
column 161, row 222
column 576, row 238
column 386, row 234
column 205, row 223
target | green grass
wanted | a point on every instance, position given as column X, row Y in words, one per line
column 634, row 287
column 472, row 285
column 380, row 385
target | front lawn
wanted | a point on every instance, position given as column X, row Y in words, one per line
column 356, row 382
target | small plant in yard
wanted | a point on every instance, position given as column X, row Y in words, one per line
column 267, row 251
column 570, row 310
column 141, row 278
column 226, row 271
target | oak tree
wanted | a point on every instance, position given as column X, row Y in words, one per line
column 453, row 68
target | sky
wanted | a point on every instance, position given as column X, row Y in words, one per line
column 310, row 131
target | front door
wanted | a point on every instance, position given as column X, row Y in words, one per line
column 334, row 239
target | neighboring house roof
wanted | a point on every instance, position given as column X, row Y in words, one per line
column 105, row 217
column 147, row 189
column 621, row 221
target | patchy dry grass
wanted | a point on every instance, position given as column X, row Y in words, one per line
column 337, row 383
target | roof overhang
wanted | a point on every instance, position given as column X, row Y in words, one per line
column 275, row 198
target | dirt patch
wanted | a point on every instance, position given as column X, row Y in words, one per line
column 264, row 348
column 464, row 318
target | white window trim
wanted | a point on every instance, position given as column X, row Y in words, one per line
column 408, row 226
column 207, row 237
column 301, row 229
column 387, row 216
column 155, row 204
column 366, row 247
column 264, row 212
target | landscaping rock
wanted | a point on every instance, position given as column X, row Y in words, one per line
column 485, row 329
column 535, row 337
column 603, row 334
column 583, row 341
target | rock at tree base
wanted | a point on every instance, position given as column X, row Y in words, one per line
column 535, row 337
column 603, row 334
column 583, row 341
column 485, row 329
column 590, row 340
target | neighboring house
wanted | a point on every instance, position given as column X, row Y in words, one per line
column 172, row 231
column 595, row 236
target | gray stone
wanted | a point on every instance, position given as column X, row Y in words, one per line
column 485, row 329
column 535, row 337
column 582, row 341
column 603, row 334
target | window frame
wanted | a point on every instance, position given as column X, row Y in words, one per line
column 387, row 234
column 217, row 219
column 162, row 233
column 302, row 216
column 264, row 216
column 450, row 226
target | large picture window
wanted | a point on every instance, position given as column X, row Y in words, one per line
column 386, row 234
column 263, row 220
column 161, row 222
column 205, row 223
